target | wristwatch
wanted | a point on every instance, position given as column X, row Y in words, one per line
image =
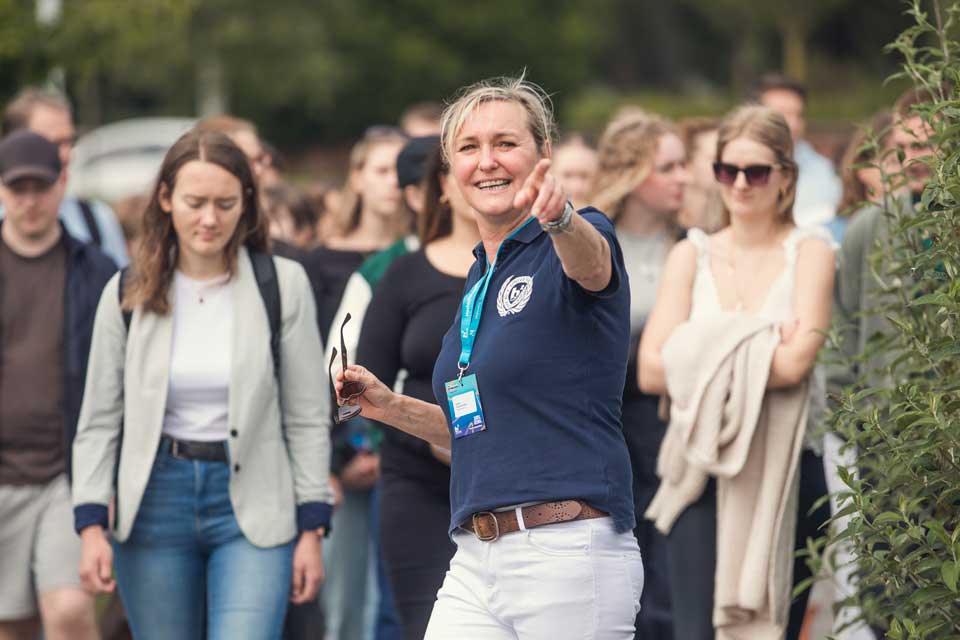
column 562, row 223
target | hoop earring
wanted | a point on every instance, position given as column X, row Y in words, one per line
column 444, row 199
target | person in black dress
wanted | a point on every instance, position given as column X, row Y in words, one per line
column 410, row 311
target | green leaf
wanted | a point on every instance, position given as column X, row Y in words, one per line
column 896, row 630
column 949, row 572
column 887, row 517
column 928, row 594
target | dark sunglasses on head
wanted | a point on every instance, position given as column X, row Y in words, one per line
column 351, row 389
column 757, row 175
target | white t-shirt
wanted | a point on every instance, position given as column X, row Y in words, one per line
column 199, row 382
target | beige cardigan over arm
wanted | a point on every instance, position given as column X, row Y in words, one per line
column 725, row 422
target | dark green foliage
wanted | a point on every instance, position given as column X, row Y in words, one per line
column 320, row 71
column 905, row 418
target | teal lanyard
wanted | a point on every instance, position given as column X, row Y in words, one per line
column 472, row 307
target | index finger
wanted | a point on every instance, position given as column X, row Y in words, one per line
column 539, row 172
column 531, row 186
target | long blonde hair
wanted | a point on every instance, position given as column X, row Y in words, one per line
column 767, row 127
column 346, row 217
column 625, row 157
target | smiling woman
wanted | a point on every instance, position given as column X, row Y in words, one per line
column 540, row 489
column 212, row 441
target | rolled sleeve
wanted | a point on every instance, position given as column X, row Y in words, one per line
column 89, row 515
column 313, row 515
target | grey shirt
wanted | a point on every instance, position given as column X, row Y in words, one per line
column 644, row 257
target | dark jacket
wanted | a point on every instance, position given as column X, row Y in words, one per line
column 88, row 270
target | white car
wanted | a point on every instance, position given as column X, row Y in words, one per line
column 122, row 159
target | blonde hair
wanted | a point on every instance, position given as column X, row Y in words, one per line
column 347, row 217
column 625, row 157
column 767, row 127
column 534, row 100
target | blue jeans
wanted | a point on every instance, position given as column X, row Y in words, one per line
column 187, row 565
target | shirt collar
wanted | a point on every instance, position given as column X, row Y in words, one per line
column 526, row 235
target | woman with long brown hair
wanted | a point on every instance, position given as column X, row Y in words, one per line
column 202, row 416
column 402, row 331
column 371, row 214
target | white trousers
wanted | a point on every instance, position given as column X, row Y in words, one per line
column 570, row 581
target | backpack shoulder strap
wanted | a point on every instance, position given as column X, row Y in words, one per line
column 265, row 271
column 127, row 313
column 87, row 210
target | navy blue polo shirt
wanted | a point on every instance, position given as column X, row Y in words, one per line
column 550, row 359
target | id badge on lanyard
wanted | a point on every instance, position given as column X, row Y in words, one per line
column 463, row 394
column 466, row 414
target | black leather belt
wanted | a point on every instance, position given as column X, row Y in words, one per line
column 215, row 451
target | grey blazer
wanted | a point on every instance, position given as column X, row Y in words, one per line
column 276, row 473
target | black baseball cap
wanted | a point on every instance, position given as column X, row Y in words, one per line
column 412, row 160
column 25, row 154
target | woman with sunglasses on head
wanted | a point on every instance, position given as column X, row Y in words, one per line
column 529, row 381
column 739, row 309
column 640, row 184
column 201, row 416
column 402, row 331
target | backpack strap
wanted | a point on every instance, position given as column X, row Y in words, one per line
column 87, row 210
column 127, row 313
column 265, row 272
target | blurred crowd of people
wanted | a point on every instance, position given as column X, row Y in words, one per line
column 387, row 255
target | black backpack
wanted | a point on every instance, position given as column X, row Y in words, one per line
column 265, row 272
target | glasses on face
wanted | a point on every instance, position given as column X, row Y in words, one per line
column 757, row 175
column 351, row 389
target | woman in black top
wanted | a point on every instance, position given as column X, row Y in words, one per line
column 402, row 330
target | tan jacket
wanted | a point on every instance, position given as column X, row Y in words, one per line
column 725, row 422
column 273, row 469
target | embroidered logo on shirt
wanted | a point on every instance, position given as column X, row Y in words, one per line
column 514, row 295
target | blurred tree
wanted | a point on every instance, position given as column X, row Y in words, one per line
column 746, row 21
column 310, row 72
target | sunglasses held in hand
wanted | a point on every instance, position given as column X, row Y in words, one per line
column 351, row 390
column 757, row 175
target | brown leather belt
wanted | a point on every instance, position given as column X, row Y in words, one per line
column 490, row 525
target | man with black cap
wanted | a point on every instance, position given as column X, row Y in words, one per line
column 50, row 286
column 49, row 113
